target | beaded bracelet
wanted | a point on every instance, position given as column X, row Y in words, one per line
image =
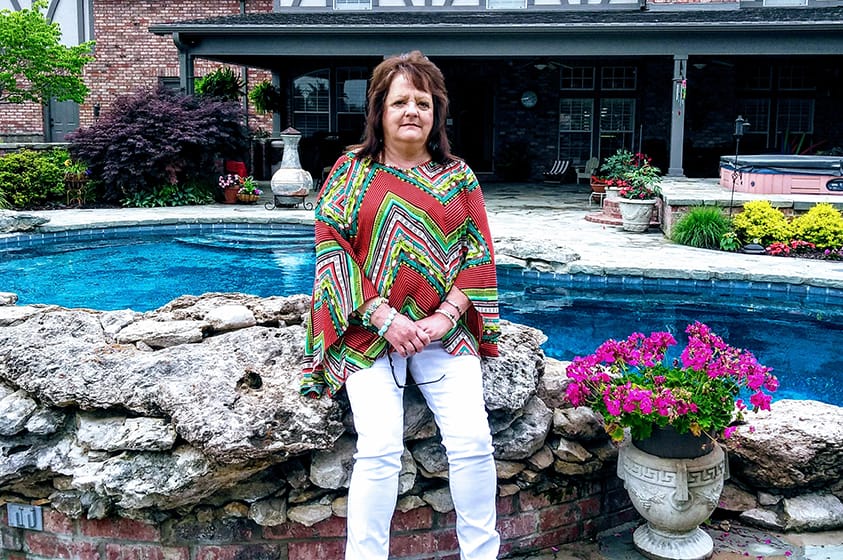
column 367, row 315
column 450, row 317
column 385, row 327
column 452, row 304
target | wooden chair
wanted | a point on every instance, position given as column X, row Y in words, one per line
column 557, row 171
column 587, row 170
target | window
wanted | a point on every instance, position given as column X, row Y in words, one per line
column 506, row 4
column 795, row 78
column 617, row 125
column 575, row 117
column 618, row 77
column 351, row 99
column 577, row 78
column 311, row 102
column 352, row 4
column 756, row 111
column 755, row 78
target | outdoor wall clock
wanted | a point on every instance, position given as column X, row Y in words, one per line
column 529, row 99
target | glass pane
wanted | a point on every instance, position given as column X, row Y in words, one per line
column 796, row 116
column 353, row 4
column 506, row 4
column 575, row 114
column 756, row 77
column 795, row 78
column 351, row 90
column 617, row 115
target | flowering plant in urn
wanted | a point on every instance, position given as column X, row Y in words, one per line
column 633, row 174
column 702, row 392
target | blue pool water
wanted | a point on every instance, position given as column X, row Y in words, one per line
column 794, row 329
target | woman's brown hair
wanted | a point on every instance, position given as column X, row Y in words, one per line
column 424, row 75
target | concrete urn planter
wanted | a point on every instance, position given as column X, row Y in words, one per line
column 674, row 495
column 636, row 214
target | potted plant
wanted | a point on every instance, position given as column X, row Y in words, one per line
column 76, row 175
column 230, row 184
column 671, row 463
column 636, row 179
column 249, row 191
column 222, row 83
column 265, row 97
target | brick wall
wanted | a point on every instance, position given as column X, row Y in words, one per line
column 527, row 521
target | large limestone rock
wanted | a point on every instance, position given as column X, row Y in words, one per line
column 11, row 221
column 797, row 444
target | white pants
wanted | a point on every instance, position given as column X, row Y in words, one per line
column 459, row 410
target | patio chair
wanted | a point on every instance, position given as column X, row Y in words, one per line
column 587, row 170
column 557, row 171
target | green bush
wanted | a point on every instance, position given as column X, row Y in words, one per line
column 29, row 178
column 172, row 195
column 761, row 223
column 702, row 226
column 822, row 225
column 222, row 83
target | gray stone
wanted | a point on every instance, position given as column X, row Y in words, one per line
column 407, row 476
column 11, row 221
column 526, row 435
column 332, row 468
column 551, row 388
column 309, row 515
column 736, row 499
column 113, row 321
column 572, row 452
column 767, row 499
column 8, row 298
column 580, row 424
column 162, row 334
column 764, row 518
column 409, row 503
column 431, row 459
column 339, row 507
column 541, row 459
column 546, row 257
column 813, row 512
column 508, row 469
column 230, row 317
column 45, row 421
column 439, row 499
column 510, row 380
column 15, row 410
column 269, row 513
column 118, row 433
column 418, row 419
column 795, row 444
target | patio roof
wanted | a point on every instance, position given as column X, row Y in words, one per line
column 261, row 38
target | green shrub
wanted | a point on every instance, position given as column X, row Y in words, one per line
column 172, row 195
column 822, row 225
column 761, row 223
column 29, row 178
column 222, row 83
column 702, row 226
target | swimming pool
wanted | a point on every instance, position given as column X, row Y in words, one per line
column 145, row 267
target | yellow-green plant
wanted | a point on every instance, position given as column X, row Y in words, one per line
column 822, row 225
column 761, row 223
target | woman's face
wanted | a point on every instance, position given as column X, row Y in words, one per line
column 407, row 115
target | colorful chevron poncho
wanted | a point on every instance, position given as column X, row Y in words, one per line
column 409, row 236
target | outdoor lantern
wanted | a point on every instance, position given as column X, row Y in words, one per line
column 740, row 124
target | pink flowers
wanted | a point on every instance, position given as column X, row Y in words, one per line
column 628, row 383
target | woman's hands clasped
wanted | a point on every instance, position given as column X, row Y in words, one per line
column 403, row 334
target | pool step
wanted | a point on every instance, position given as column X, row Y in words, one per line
column 249, row 239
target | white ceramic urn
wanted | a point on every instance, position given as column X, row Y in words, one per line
column 674, row 496
column 290, row 180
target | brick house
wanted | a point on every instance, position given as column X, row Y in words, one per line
column 531, row 80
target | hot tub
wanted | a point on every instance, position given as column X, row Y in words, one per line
column 783, row 174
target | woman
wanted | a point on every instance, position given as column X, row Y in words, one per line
column 405, row 284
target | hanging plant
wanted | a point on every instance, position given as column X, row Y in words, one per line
column 265, row 97
column 222, row 83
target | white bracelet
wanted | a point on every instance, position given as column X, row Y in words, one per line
column 385, row 327
column 450, row 317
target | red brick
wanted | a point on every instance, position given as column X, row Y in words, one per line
column 252, row 552
column 145, row 552
column 516, row 526
column 589, row 507
column 54, row 547
column 331, row 527
column 445, row 520
column 313, row 550
column 505, row 505
column 119, row 528
column 413, row 520
column 57, row 522
column 558, row 516
column 556, row 537
column 403, row 546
